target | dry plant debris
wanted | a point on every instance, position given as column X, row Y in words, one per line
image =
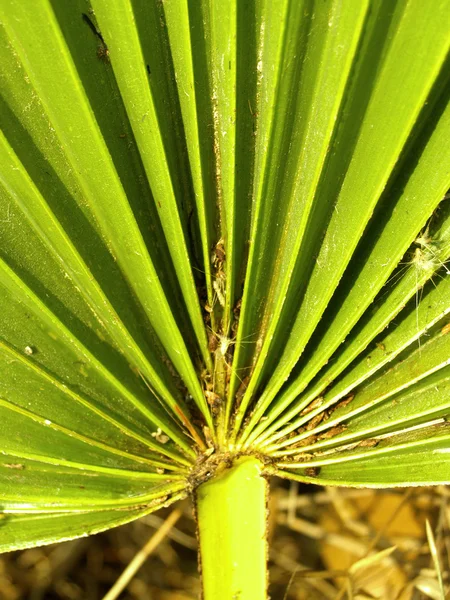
column 336, row 543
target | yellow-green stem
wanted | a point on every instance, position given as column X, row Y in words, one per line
column 232, row 525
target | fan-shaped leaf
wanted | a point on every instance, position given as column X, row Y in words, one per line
column 223, row 231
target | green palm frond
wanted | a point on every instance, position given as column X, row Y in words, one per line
column 224, row 231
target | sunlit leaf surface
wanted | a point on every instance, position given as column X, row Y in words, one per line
column 224, row 229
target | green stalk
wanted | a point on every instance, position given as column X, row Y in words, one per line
column 232, row 515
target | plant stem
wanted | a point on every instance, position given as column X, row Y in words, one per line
column 232, row 514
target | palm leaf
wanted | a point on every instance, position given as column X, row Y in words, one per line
column 224, row 231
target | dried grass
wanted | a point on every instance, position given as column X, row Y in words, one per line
column 325, row 544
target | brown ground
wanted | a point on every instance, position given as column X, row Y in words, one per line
column 324, row 544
